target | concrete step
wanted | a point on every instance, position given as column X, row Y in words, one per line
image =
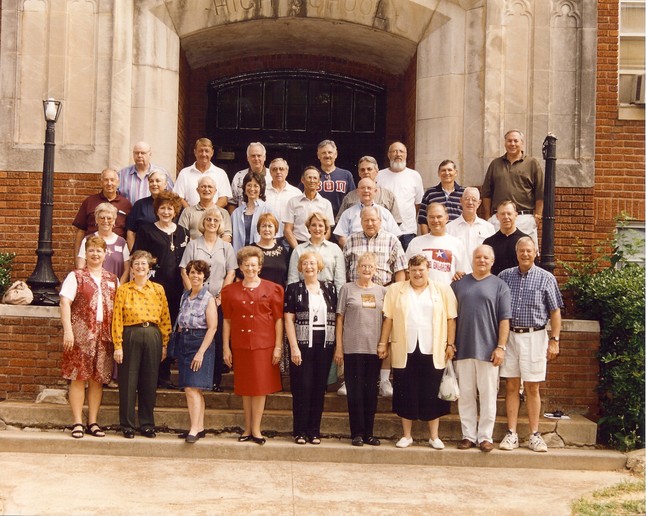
column 577, row 431
column 333, row 450
column 167, row 398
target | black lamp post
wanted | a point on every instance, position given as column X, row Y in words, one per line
column 549, row 198
column 43, row 281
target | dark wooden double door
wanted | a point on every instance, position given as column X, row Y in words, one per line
column 290, row 112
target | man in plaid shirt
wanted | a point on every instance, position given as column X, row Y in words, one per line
column 535, row 298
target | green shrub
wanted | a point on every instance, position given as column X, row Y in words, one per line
column 6, row 260
column 615, row 297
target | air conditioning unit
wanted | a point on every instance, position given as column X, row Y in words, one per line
column 637, row 96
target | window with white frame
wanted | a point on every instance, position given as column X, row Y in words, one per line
column 632, row 23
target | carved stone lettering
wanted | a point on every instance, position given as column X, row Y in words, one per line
column 221, row 7
column 363, row 7
column 247, row 5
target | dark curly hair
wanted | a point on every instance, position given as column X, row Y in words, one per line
column 199, row 266
column 258, row 178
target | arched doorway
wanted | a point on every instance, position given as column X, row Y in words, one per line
column 290, row 112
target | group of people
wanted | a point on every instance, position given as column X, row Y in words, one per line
column 259, row 276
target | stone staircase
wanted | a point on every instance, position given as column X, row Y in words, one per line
column 224, row 414
column 224, row 419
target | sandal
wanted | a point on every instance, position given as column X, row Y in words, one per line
column 315, row 440
column 95, row 430
column 77, row 431
column 300, row 439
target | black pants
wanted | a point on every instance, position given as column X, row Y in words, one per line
column 220, row 367
column 361, row 381
column 142, row 350
column 309, row 383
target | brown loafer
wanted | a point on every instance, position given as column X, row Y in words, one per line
column 465, row 444
column 486, row 446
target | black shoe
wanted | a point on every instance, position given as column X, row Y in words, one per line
column 166, row 384
column 372, row 441
column 192, row 439
column 148, row 432
column 200, row 435
column 258, row 440
column 217, row 388
column 244, row 438
column 129, row 433
column 357, row 441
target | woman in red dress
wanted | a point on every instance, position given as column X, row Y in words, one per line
column 87, row 299
column 252, row 338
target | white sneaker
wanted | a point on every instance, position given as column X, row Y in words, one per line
column 342, row 390
column 404, row 442
column 509, row 442
column 536, row 443
column 385, row 389
column 436, row 444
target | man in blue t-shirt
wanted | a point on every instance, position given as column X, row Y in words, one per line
column 335, row 182
column 484, row 310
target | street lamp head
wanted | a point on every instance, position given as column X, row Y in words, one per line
column 52, row 109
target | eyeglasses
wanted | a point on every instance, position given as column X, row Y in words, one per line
column 109, row 218
column 211, row 219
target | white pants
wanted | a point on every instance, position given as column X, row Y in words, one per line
column 526, row 223
column 477, row 378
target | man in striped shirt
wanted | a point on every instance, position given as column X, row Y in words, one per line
column 447, row 192
column 133, row 180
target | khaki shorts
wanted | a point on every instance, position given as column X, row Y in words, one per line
column 526, row 356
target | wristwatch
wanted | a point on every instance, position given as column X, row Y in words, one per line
column 556, row 339
column 504, row 348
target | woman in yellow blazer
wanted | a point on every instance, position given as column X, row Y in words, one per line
column 419, row 321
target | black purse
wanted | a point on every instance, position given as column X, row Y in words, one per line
column 173, row 342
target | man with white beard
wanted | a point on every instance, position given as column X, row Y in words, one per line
column 408, row 188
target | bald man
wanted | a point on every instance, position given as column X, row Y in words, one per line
column 133, row 180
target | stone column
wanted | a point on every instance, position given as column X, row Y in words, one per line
column 155, row 86
column 440, row 92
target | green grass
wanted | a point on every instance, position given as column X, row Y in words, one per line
column 625, row 498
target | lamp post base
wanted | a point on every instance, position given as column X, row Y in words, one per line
column 44, row 295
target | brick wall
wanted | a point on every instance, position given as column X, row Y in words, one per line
column 30, row 351
column 619, row 144
column 20, row 213
column 183, row 146
column 573, row 378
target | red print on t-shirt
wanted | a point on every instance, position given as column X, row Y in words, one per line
column 441, row 260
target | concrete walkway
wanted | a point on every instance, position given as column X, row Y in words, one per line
column 52, row 484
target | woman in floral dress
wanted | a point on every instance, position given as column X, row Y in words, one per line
column 87, row 299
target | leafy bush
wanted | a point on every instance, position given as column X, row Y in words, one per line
column 615, row 297
column 6, row 260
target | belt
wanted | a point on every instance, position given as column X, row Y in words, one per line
column 526, row 212
column 190, row 330
column 142, row 325
column 525, row 329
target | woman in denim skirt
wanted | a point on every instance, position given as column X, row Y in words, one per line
column 196, row 326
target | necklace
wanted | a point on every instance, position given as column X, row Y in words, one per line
column 172, row 244
column 316, row 308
